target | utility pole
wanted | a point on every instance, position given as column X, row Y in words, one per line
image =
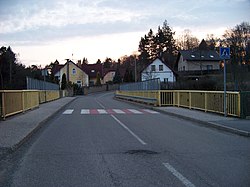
column 135, row 71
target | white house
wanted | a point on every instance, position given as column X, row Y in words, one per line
column 158, row 69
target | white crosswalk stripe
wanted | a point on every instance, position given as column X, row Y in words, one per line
column 85, row 111
column 134, row 111
column 118, row 111
column 69, row 111
column 111, row 111
column 150, row 111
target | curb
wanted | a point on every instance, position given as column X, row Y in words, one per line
column 199, row 122
column 207, row 124
column 38, row 126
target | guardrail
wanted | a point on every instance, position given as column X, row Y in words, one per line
column 211, row 101
column 17, row 101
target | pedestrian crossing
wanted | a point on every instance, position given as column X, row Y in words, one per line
column 109, row 111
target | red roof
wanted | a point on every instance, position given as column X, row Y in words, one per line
column 92, row 69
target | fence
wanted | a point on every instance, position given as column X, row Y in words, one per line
column 17, row 101
column 153, row 84
column 203, row 100
column 245, row 104
column 102, row 88
column 34, row 84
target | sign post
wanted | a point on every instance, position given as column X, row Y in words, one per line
column 225, row 55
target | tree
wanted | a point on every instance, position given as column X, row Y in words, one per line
column 107, row 63
column 167, row 44
column 64, row 82
column 7, row 65
column 187, row 41
column 98, row 79
column 238, row 40
column 98, row 61
column 117, row 78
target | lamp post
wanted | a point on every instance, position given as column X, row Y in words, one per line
column 135, row 71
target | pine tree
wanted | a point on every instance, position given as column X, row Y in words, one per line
column 117, row 78
column 98, row 79
column 64, row 82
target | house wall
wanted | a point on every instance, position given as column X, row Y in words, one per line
column 184, row 65
column 198, row 66
column 76, row 75
column 109, row 76
column 166, row 74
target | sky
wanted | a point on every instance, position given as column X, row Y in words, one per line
column 40, row 32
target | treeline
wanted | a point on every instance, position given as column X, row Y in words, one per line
column 13, row 73
column 162, row 43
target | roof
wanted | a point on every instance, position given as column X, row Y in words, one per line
column 92, row 69
column 58, row 67
column 162, row 62
column 200, row 55
column 107, row 70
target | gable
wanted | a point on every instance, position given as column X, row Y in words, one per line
column 157, row 62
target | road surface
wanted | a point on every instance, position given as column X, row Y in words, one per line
column 99, row 141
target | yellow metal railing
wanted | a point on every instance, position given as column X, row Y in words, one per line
column 211, row 101
column 16, row 101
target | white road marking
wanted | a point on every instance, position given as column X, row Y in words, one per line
column 69, row 111
column 183, row 179
column 150, row 111
column 131, row 132
column 100, row 103
column 85, row 111
column 118, row 111
column 102, row 111
column 134, row 111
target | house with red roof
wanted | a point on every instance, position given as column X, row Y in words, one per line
column 73, row 72
column 92, row 70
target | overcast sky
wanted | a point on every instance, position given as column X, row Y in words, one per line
column 45, row 30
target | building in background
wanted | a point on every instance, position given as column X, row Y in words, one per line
column 201, row 59
column 73, row 72
column 158, row 69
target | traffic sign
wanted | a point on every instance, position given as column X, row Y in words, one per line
column 225, row 53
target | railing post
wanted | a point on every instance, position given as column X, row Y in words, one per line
column 173, row 103
column 205, row 101
column 23, row 108
column 3, row 105
column 190, row 100
column 178, row 98
column 239, row 107
column 159, row 97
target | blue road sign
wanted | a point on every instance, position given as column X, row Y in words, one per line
column 225, row 53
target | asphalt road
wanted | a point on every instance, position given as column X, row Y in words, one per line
column 83, row 146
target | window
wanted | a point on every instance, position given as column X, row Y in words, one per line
column 152, row 67
column 73, row 71
column 160, row 67
column 79, row 83
column 183, row 68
